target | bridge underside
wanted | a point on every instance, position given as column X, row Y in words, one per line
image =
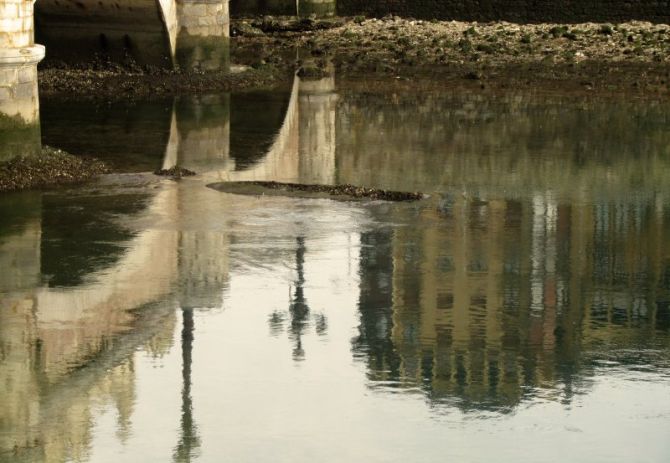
column 186, row 33
column 76, row 31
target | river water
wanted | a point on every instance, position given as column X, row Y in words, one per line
column 521, row 313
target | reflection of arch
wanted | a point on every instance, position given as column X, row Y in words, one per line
column 303, row 148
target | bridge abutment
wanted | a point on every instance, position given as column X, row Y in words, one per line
column 203, row 38
column 19, row 103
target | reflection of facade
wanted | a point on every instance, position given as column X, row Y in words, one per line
column 506, row 146
column 488, row 300
column 103, row 278
column 48, row 332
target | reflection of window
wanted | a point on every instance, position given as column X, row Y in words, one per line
column 478, row 265
column 445, row 301
column 445, row 264
column 478, row 300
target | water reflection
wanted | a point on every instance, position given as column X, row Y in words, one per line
column 484, row 302
column 538, row 267
column 188, row 441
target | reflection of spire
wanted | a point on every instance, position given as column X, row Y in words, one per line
column 298, row 308
column 189, row 440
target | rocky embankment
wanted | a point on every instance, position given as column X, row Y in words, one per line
column 633, row 56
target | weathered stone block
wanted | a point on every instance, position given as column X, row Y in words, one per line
column 13, row 24
column 26, row 91
column 8, row 76
column 6, row 94
column 9, row 10
column 196, row 10
column 207, row 21
column 213, row 9
column 27, row 74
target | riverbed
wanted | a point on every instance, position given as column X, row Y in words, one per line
column 520, row 312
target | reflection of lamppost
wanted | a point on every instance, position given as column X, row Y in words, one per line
column 298, row 307
column 189, row 440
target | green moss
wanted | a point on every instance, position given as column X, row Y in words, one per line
column 18, row 138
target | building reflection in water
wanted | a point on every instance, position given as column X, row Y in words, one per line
column 90, row 283
column 189, row 441
column 484, row 302
column 499, row 288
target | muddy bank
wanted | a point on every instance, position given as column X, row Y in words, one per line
column 110, row 81
column 300, row 190
column 631, row 57
column 50, row 168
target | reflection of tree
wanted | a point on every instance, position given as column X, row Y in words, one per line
column 298, row 307
column 189, row 440
column 298, row 310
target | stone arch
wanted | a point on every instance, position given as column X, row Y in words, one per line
column 142, row 30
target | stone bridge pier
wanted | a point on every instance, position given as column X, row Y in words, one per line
column 19, row 104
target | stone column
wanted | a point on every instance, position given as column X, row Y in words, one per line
column 203, row 37
column 19, row 105
column 320, row 8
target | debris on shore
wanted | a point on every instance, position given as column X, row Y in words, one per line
column 49, row 168
column 174, row 172
column 632, row 56
column 342, row 192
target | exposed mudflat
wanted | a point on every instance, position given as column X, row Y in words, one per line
column 109, row 81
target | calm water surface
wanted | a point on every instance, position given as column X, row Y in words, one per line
column 521, row 313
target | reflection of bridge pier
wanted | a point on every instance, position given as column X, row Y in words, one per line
column 19, row 105
column 304, row 147
column 317, row 111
